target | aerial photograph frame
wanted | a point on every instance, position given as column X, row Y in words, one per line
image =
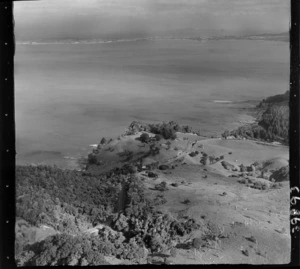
column 175, row 178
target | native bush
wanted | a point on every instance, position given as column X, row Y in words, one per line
column 144, row 137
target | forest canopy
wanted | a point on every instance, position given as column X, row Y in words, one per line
column 72, row 202
column 272, row 121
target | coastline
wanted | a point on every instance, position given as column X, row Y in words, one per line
column 78, row 161
column 168, row 170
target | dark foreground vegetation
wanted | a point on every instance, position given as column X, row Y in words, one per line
column 72, row 202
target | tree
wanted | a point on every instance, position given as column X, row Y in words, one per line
column 127, row 154
column 243, row 168
column 158, row 137
column 225, row 134
column 169, row 133
column 211, row 159
column 144, row 138
column 92, row 159
column 156, row 243
column 187, row 201
column 154, row 149
column 204, row 160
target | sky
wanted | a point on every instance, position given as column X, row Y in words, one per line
column 87, row 19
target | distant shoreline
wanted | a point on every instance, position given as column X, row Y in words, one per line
column 281, row 37
column 75, row 163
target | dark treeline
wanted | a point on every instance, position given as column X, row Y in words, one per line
column 64, row 199
column 272, row 122
column 166, row 129
column 279, row 98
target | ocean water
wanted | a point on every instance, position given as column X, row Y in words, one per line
column 68, row 96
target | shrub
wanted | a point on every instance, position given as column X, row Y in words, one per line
column 168, row 143
column 152, row 166
column 154, row 150
column 264, row 186
column 127, row 154
column 186, row 201
column 163, row 167
column 158, row 137
column 194, row 153
column 92, row 158
column 197, row 243
column 225, row 134
column 152, row 174
column 159, row 200
column 162, row 186
column 168, row 131
column 144, row 138
column 211, row 159
column 243, row 168
column 281, row 174
column 103, row 141
column 243, row 180
column 156, row 242
column 204, row 160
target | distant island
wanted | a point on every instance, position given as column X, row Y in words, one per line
column 163, row 194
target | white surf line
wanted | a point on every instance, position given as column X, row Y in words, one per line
column 94, row 145
column 70, row 158
column 222, row 101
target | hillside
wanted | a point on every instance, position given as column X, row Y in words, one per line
column 272, row 121
column 158, row 194
column 73, row 218
column 282, row 99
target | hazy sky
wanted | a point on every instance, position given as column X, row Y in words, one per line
column 56, row 19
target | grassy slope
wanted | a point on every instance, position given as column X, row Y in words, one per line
column 239, row 205
column 262, row 212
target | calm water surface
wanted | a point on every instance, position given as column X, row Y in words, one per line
column 69, row 96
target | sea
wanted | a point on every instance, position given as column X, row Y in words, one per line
column 68, row 95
